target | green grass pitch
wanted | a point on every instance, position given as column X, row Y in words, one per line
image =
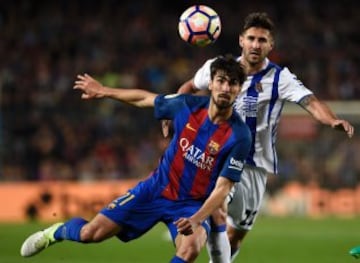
column 278, row 240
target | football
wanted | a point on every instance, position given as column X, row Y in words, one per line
column 199, row 25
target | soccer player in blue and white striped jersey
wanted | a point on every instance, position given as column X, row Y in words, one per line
column 195, row 174
column 259, row 104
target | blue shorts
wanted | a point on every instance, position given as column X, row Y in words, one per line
column 140, row 209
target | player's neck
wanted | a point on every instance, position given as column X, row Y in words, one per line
column 218, row 116
column 252, row 69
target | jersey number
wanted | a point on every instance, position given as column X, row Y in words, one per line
column 250, row 215
column 126, row 198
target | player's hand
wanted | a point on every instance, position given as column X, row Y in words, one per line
column 165, row 127
column 90, row 87
column 343, row 125
column 185, row 226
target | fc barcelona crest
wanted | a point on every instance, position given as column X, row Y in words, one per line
column 213, row 147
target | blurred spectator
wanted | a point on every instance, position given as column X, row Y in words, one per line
column 48, row 133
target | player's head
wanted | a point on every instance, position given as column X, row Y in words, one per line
column 227, row 77
column 257, row 37
column 259, row 20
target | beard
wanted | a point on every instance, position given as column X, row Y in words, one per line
column 254, row 58
column 222, row 102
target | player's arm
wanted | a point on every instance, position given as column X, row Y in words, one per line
column 322, row 113
column 187, row 87
column 215, row 200
column 229, row 174
column 92, row 89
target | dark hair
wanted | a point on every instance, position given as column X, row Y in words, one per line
column 260, row 19
column 230, row 66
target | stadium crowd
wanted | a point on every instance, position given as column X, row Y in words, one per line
column 48, row 133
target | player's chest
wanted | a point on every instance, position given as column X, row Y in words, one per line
column 255, row 96
column 258, row 87
column 201, row 137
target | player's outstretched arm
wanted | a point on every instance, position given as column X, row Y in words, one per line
column 93, row 89
column 321, row 112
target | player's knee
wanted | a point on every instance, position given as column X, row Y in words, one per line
column 189, row 254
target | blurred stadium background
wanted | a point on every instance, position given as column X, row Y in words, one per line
column 61, row 156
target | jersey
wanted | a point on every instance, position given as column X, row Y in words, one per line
column 200, row 150
column 260, row 104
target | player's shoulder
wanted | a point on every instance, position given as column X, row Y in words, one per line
column 194, row 102
column 174, row 105
column 285, row 74
column 284, row 71
column 288, row 78
column 241, row 129
column 208, row 62
column 184, row 98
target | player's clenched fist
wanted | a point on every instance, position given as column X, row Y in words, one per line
column 185, row 226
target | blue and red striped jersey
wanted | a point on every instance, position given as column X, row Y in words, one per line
column 200, row 150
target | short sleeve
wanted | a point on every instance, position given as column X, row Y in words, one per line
column 291, row 88
column 166, row 106
column 234, row 163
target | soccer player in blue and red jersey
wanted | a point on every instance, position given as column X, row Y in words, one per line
column 197, row 171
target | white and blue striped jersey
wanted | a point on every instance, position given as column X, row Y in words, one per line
column 260, row 104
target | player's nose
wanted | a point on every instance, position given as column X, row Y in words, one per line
column 225, row 87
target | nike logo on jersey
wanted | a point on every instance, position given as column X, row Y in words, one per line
column 188, row 126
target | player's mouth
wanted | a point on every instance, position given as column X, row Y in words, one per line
column 255, row 54
column 224, row 96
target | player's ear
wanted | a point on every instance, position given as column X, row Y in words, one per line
column 210, row 85
column 241, row 40
column 272, row 43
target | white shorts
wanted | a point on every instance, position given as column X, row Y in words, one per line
column 246, row 197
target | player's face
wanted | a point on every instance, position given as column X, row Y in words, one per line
column 256, row 44
column 224, row 90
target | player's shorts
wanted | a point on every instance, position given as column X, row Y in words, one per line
column 246, row 197
column 141, row 208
